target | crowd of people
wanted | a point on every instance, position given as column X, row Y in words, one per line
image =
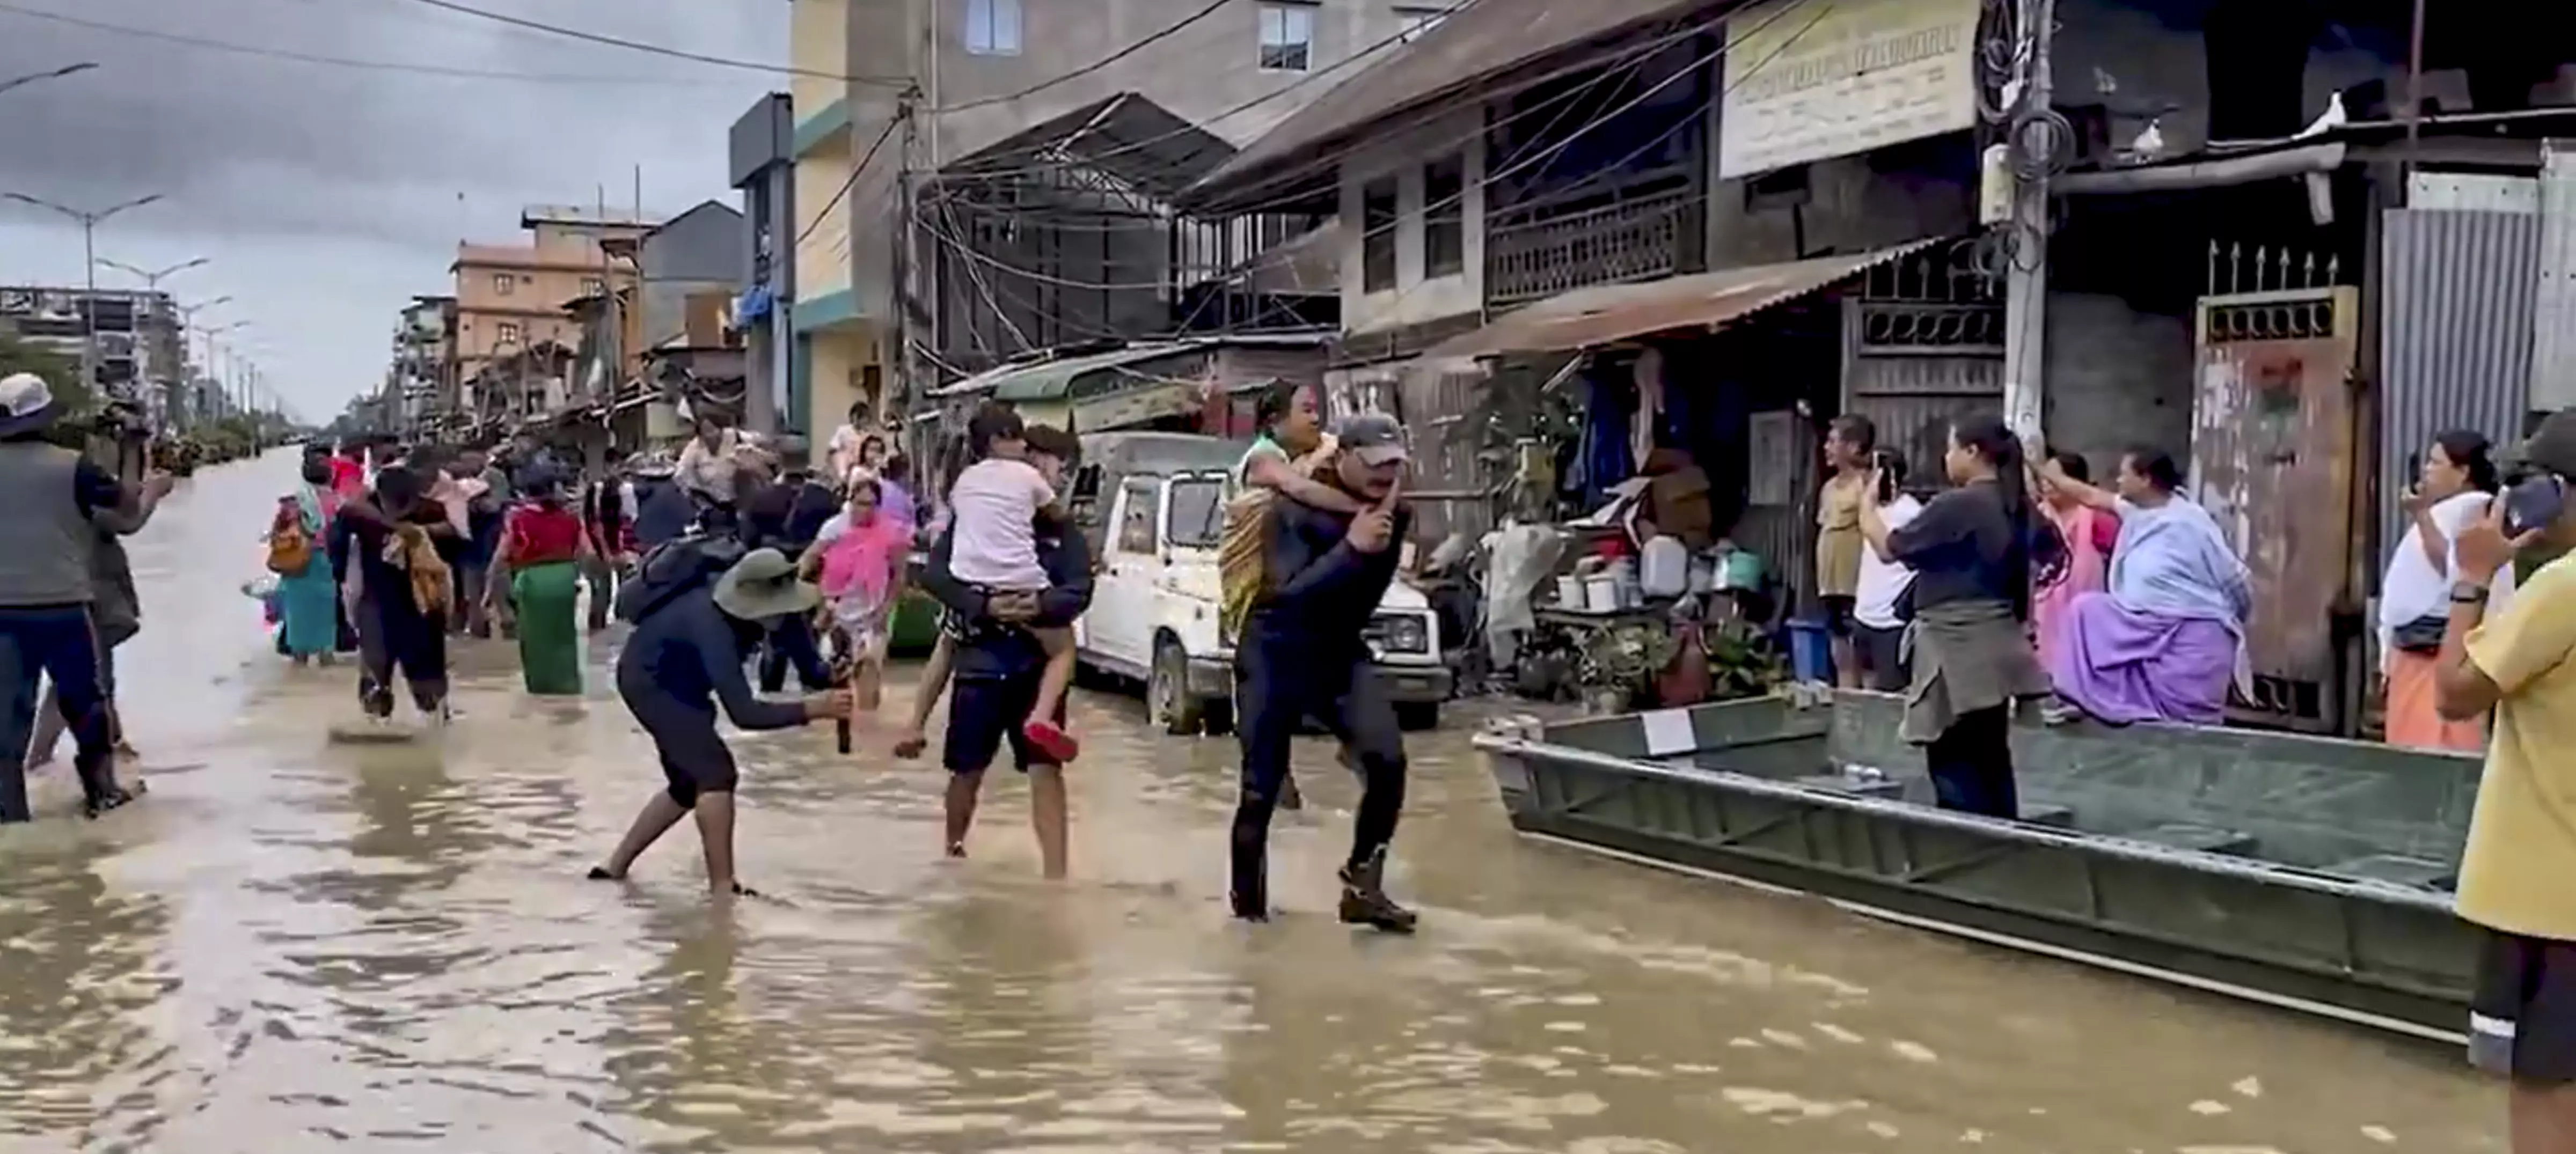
column 2122, row 602
column 735, row 565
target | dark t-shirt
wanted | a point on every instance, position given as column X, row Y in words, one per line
column 1960, row 548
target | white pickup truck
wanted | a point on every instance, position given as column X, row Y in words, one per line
column 1154, row 507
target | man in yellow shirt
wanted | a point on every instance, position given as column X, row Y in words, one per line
column 2518, row 873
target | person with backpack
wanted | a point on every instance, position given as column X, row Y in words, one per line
column 699, row 605
column 308, row 600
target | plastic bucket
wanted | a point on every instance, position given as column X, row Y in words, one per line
column 1811, row 650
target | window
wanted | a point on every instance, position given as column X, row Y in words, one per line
column 1444, row 216
column 1136, row 518
column 1198, row 513
column 993, row 27
column 1413, row 22
column 592, row 286
column 503, row 284
column 1377, row 235
column 1287, row 36
column 505, row 333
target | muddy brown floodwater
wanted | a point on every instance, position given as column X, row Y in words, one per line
column 297, row 946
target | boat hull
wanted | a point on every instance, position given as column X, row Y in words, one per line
column 2171, row 900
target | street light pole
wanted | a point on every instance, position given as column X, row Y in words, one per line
column 56, row 74
column 89, row 222
column 152, row 287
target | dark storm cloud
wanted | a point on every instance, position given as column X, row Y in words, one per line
column 325, row 196
column 248, row 143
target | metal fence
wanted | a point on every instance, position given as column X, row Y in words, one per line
column 2455, row 336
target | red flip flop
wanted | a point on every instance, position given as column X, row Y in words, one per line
column 1052, row 740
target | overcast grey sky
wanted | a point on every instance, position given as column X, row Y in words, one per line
column 325, row 196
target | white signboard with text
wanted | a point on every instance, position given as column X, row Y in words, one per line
column 1811, row 79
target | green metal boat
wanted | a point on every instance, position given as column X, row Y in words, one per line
column 2303, row 872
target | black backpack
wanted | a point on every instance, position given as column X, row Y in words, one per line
column 672, row 568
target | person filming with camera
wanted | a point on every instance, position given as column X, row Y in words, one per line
column 2520, row 662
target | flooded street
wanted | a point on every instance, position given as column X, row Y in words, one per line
column 298, row 946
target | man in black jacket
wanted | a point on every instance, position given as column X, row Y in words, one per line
column 683, row 661
column 1303, row 653
column 994, row 682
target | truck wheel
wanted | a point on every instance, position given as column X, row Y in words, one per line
column 1418, row 715
column 1167, row 693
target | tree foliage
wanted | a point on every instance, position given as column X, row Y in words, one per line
column 61, row 373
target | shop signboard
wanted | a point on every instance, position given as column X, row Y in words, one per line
column 1805, row 82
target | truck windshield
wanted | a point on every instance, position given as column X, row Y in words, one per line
column 1198, row 513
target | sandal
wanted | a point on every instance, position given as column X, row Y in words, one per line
column 1051, row 740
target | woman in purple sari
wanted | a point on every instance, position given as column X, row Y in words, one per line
column 2166, row 639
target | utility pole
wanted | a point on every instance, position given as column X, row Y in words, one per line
column 2028, row 121
column 907, row 259
column 89, row 222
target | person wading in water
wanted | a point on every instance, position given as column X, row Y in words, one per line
column 998, row 663
column 404, row 591
column 47, row 533
column 1302, row 652
column 693, row 632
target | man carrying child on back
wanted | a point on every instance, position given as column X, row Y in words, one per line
column 994, row 507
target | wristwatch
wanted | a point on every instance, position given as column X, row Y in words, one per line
column 2468, row 593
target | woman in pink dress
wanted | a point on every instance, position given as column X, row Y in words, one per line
column 859, row 559
column 2089, row 535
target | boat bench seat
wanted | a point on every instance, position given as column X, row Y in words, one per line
column 2422, row 873
column 2206, row 839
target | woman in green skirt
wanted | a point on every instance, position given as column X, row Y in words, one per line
column 539, row 563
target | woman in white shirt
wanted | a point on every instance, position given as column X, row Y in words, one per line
column 1878, row 634
column 2457, row 481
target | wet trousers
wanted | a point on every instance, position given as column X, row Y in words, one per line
column 392, row 635
column 1971, row 764
column 1279, row 683
column 58, row 642
column 602, row 577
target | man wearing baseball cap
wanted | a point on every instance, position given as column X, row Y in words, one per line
column 2518, row 873
column 46, row 591
column 1302, row 652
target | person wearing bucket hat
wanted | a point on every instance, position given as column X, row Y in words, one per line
column 684, row 659
column 48, row 589
column 2520, row 663
column 1303, row 652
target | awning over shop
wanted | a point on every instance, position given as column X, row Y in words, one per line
column 1607, row 314
column 1054, row 380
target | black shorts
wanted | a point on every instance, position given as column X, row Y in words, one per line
column 2522, row 1017
column 985, row 713
column 1838, row 614
column 695, row 758
column 1880, row 654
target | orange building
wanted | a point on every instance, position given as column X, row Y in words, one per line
column 512, row 297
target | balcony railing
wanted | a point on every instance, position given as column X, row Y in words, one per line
column 1632, row 240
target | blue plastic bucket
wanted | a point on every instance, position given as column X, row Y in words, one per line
column 1811, row 650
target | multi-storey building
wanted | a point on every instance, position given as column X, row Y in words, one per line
column 510, row 299
column 139, row 353
column 1197, row 82
column 424, row 362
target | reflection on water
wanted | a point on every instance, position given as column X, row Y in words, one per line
column 294, row 945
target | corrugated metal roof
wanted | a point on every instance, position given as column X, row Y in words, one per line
column 1606, row 314
column 1051, row 380
column 1482, row 39
column 1126, row 136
